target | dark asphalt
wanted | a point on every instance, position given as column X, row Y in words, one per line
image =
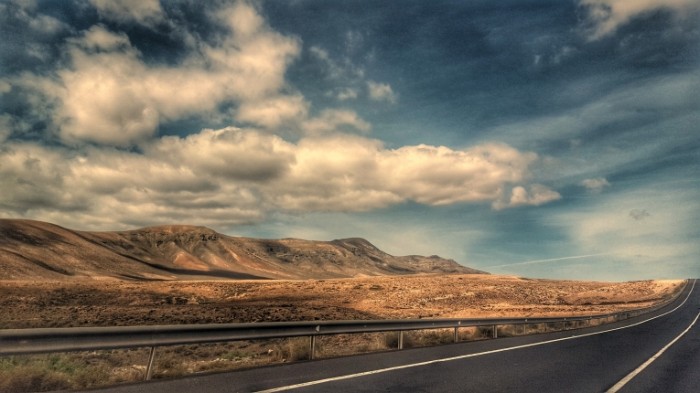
column 587, row 363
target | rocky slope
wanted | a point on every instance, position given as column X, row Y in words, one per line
column 33, row 249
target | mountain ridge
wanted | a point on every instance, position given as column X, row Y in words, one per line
column 39, row 250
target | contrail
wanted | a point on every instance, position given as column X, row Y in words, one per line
column 547, row 260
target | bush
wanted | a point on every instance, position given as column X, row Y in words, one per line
column 47, row 373
column 31, row 378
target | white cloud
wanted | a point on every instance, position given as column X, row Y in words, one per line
column 109, row 95
column 605, row 16
column 331, row 120
column 273, row 112
column 99, row 38
column 31, row 176
column 228, row 154
column 440, row 176
column 142, row 11
column 595, row 184
column 229, row 176
column 520, row 196
column 381, row 92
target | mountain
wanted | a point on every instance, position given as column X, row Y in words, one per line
column 39, row 250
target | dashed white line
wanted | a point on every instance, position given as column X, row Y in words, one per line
column 405, row 366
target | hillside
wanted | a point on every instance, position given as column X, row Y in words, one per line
column 33, row 249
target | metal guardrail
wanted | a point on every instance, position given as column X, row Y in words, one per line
column 48, row 340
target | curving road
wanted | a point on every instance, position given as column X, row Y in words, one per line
column 659, row 352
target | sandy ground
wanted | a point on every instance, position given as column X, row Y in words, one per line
column 28, row 304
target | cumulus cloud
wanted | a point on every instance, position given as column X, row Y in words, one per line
column 536, row 195
column 381, row 92
column 107, row 102
column 605, row 16
column 109, row 95
column 234, row 175
column 273, row 112
column 595, row 184
column 228, row 154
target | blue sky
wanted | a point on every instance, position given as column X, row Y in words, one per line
column 554, row 139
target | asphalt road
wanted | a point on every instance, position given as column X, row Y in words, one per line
column 585, row 360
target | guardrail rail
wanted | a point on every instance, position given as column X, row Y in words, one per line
column 50, row 340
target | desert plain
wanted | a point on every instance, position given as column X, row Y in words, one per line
column 28, row 304
column 111, row 302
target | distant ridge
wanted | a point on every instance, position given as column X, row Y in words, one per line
column 39, row 250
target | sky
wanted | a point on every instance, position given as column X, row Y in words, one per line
column 552, row 139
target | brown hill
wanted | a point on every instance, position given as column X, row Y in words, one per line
column 33, row 249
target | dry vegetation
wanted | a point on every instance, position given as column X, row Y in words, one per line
column 27, row 304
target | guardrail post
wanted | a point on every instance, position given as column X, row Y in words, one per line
column 149, row 368
column 495, row 331
column 312, row 347
column 401, row 339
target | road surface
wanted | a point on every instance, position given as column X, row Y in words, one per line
column 659, row 352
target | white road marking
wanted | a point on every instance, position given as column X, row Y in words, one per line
column 644, row 365
column 405, row 366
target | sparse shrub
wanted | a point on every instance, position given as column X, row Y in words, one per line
column 31, row 378
column 432, row 337
column 49, row 372
column 474, row 333
column 298, row 348
column 292, row 349
column 233, row 355
column 168, row 364
column 349, row 344
column 506, row 331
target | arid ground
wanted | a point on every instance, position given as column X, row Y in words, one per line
column 28, row 304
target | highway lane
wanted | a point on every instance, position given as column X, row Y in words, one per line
column 575, row 361
column 676, row 370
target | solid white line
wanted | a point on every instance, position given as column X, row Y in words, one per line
column 641, row 368
column 405, row 366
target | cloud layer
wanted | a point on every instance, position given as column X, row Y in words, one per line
column 110, row 165
column 233, row 176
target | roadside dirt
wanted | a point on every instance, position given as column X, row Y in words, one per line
column 28, row 304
